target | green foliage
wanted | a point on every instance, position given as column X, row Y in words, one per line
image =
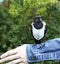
column 16, row 17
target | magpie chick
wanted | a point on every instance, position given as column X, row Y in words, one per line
column 38, row 29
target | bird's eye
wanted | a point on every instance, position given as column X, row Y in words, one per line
column 40, row 19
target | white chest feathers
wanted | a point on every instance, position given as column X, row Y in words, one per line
column 38, row 33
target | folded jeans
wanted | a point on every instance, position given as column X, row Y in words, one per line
column 49, row 50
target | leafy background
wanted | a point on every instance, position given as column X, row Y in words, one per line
column 15, row 22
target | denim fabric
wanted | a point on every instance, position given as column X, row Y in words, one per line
column 49, row 50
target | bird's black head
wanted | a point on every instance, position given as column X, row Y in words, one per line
column 38, row 22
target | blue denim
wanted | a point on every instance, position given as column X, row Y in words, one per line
column 49, row 50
